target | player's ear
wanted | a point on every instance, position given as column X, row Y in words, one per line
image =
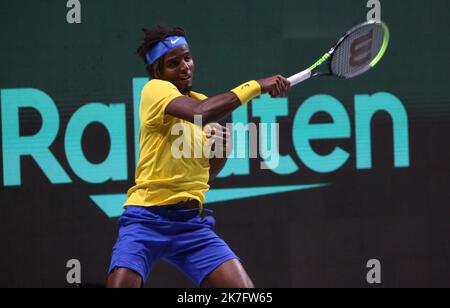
column 155, row 72
column 157, row 69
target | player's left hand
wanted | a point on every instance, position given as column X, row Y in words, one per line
column 221, row 138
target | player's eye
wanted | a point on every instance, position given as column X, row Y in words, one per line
column 174, row 63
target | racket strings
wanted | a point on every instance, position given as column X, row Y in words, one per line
column 354, row 55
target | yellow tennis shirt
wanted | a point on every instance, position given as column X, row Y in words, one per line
column 161, row 177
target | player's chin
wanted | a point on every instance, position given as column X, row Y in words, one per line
column 185, row 90
column 185, row 86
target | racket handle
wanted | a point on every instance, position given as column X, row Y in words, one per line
column 300, row 77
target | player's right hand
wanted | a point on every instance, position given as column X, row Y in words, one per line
column 276, row 86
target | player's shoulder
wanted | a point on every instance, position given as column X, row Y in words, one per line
column 159, row 86
column 198, row 96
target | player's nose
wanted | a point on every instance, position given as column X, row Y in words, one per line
column 184, row 67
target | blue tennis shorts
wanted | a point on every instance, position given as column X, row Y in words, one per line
column 181, row 237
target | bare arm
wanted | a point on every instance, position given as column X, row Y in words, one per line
column 220, row 106
column 223, row 144
column 211, row 110
column 216, row 166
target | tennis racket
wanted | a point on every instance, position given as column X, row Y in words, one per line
column 359, row 50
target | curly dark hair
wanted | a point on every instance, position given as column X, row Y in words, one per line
column 152, row 37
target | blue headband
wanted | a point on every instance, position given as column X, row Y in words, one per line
column 164, row 47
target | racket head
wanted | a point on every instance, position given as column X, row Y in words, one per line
column 359, row 50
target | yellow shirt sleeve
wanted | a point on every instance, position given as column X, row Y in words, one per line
column 156, row 95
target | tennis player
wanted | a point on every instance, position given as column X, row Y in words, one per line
column 164, row 216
